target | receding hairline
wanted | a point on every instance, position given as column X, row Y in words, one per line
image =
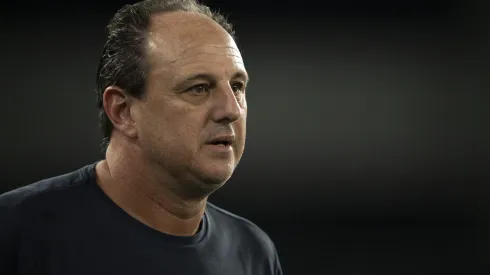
column 171, row 29
column 182, row 18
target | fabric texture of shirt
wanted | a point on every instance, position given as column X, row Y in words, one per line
column 67, row 225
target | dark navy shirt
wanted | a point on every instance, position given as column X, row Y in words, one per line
column 67, row 225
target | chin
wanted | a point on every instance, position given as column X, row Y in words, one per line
column 211, row 174
column 205, row 185
column 217, row 178
column 216, row 175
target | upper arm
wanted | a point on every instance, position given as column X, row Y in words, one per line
column 9, row 224
column 274, row 256
column 277, row 264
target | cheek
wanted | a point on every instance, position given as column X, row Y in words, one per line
column 242, row 100
column 243, row 118
column 241, row 129
column 181, row 126
column 243, row 104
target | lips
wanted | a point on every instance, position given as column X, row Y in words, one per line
column 222, row 140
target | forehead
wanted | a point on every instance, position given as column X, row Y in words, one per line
column 187, row 40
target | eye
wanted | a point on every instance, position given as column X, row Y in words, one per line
column 238, row 87
column 199, row 89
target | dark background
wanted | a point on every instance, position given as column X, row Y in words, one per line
column 368, row 145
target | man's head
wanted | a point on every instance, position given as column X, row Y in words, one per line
column 171, row 83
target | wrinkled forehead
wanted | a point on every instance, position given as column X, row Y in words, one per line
column 179, row 36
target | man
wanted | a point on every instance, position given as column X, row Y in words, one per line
column 171, row 94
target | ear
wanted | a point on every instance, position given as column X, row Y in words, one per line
column 117, row 106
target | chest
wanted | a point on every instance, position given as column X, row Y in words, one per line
column 111, row 253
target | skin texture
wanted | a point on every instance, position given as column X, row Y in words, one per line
column 159, row 166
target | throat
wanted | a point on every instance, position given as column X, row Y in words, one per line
column 159, row 210
column 167, row 222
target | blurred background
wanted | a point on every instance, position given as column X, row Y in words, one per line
column 368, row 128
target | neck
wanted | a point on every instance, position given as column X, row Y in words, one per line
column 144, row 193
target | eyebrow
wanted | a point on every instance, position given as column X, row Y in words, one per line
column 211, row 78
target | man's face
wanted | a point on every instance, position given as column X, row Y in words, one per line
column 195, row 94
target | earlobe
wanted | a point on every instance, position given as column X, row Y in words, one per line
column 117, row 105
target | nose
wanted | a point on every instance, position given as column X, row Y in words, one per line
column 227, row 107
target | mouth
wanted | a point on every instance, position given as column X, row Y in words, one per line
column 223, row 141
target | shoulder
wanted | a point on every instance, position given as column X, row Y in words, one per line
column 249, row 232
column 44, row 188
column 22, row 205
column 25, row 203
column 253, row 241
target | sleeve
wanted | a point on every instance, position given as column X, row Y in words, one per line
column 8, row 235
